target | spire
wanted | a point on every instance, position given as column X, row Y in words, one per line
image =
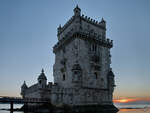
column 77, row 6
column 59, row 25
column 24, row 86
column 77, row 11
column 42, row 75
column 42, row 70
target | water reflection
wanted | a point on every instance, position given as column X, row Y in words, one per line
column 120, row 111
column 141, row 109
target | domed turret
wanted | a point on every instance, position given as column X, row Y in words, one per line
column 42, row 78
column 42, row 75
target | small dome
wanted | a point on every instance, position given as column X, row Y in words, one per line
column 42, row 75
column 24, row 86
column 76, row 67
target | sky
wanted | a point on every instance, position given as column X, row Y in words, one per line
column 28, row 32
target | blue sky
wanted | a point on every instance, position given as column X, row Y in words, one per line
column 28, row 33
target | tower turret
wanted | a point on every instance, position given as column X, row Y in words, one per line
column 103, row 22
column 77, row 11
column 42, row 80
column 23, row 88
column 82, row 60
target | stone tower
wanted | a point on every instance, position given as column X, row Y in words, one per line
column 83, row 78
column 82, row 59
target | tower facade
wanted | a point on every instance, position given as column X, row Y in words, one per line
column 82, row 59
column 82, row 72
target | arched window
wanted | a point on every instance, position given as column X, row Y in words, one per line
column 96, row 75
column 63, row 77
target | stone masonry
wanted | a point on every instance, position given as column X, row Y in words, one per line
column 82, row 72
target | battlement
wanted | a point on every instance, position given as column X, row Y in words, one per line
column 32, row 88
column 102, row 41
column 36, row 87
column 98, row 24
column 101, row 24
column 61, row 29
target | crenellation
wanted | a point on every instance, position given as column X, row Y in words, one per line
column 67, row 23
column 94, row 22
column 72, row 22
column 96, row 37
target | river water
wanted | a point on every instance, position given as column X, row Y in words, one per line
column 145, row 110
column 7, row 106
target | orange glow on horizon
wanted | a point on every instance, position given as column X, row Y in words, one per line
column 126, row 100
column 123, row 100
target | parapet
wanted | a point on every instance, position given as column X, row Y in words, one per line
column 100, row 24
column 102, row 41
column 61, row 29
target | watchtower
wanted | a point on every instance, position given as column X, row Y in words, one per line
column 82, row 44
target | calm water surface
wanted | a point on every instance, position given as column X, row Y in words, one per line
column 7, row 106
column 146, row 110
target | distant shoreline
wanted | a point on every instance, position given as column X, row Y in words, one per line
column 131, row 108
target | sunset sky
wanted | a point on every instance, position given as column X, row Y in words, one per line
column 28, row 33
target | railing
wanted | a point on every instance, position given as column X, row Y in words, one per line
column 12, row 100
column 25, row 100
